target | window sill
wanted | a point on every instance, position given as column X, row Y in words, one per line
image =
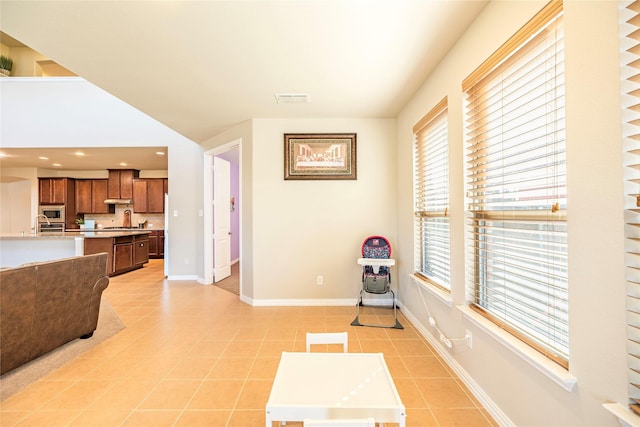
column 441, row 295
column 552, row 370
column 624, row 415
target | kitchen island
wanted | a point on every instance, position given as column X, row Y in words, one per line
column 128, row 249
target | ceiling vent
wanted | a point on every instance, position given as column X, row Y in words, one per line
column 292, row 98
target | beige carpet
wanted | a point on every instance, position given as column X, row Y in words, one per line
column 231, row 283
column 12, row 382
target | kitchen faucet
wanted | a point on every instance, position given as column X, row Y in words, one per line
column 35, row 223
column 126, row 221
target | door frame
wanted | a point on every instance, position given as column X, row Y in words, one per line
column 208, row 206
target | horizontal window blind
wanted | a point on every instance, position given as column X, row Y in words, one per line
column 630, row 58
column 516, row 186
column 431, row 195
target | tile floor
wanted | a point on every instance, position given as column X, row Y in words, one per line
column 194, row 355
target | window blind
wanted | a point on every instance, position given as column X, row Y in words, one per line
column 630, row 84
column 431, row 195
column 516, row 186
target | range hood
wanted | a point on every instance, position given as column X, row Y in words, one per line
column 118, row 202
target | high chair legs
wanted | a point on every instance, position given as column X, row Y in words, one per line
column 396, row 324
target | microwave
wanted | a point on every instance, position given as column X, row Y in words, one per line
column 53, row 213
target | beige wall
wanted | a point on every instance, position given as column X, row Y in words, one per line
column 596, row 251
column 293, row 231
column 303, row 229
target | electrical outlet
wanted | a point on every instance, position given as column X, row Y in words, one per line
column 319, row 280
column 186, row 261
column 468, row 338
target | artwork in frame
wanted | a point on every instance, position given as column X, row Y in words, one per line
column 319, row 156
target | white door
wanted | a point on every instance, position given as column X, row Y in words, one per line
column 221, row 219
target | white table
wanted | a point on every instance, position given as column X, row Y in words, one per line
column 334, row 386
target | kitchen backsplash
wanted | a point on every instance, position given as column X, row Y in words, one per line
column 154, row 222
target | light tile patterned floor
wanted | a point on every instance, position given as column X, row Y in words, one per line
column 194, row 355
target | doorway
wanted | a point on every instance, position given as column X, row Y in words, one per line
column 230, row 153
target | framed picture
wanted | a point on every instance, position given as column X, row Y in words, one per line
column 319, row 156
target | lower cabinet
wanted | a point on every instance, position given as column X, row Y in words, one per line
column 141, row 250
column 156, row 244
column 122, row 255
column 125, row 253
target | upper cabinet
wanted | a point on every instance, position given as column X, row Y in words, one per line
column 55, row 191
column 148, row 195
column 121, row 183
column 90, row 196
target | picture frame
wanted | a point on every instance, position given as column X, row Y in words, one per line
column 320, row 156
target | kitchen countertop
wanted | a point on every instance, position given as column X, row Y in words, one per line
column 62, row 235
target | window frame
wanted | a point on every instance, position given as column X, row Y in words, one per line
column 478, row 212
column 431, row 147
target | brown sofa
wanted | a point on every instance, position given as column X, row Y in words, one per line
column 44, row 305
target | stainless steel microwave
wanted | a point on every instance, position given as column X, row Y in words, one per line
column 53, row 213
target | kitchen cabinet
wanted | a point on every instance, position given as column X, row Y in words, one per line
column 90, row 196
column 59, row 191
column 83, row 196
column 55, row 191
column 121, row 183
column 148, row 195
column 140, row 250
column 156, row 244
column 98, row 196
column 125, row 252
column 122, row 254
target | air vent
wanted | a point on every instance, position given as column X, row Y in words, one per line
column 292, row 98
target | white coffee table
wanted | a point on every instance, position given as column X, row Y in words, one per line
column 334, row 386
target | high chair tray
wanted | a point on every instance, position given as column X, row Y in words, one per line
column 387, row 262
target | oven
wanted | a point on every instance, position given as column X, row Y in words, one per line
column 55, row 214
column 54, row 226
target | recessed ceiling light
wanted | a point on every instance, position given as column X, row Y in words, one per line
column 292, row 98
column 56, row 164
column 79, row 153
column 160, row 153
column 123, row 164
column 43, row 158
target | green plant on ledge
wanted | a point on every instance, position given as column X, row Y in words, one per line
column 6, row 65
column 80, row 221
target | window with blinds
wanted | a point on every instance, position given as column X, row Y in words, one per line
column 516, row 186
column 630, row 85
column 431, row 196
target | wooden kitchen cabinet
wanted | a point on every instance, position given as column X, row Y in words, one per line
column 122, row 255
column 83, row 196
column 140, row 249
column 98, row 196
column 90, row 196
column 54, row 191
column 121, row 183
column 59, row 191
column 148, row 195
column 125, row 252
column 156, row 244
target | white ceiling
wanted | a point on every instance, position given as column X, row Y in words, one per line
column 84, row 158
column 201, row 67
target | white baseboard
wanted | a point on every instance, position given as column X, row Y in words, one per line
column 498, row 415
column 302, row 302
column 185, row 277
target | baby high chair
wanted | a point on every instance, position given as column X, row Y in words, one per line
column 376, row 265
